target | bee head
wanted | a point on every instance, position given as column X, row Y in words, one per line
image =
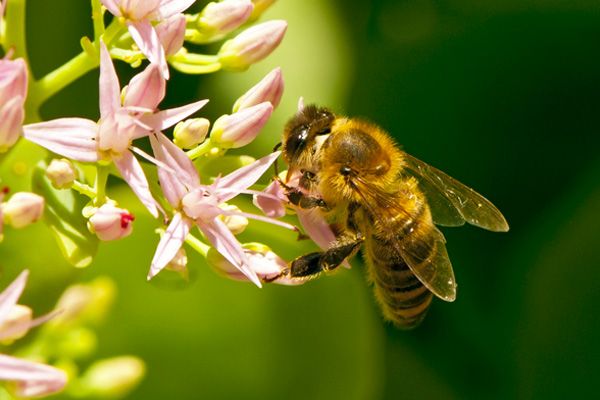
column 302, row 130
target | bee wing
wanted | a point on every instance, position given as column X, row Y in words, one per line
column 426, row 256
column 451, row 202
column 428, row 260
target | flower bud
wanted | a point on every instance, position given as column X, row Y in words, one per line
column 61, row 173
column 260, row 6
column 111, row 223
column 179, row 262
column 240, row 128
column 270, row 89
column 113, row 377
column 85, row 303
column 13, row 90
column 218, row 19
column 234, row 222
column 267, row 265
column 22, row 209
column 16, row 324
column 171, row 33
column 191, row 132
column 252, row 45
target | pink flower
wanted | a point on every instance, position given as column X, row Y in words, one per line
column 171, row 33
column 32, row 379
column 139, row 16
column 240, row 128
column 267, row 265
column 197, row 204
column 111, row 223
column 110, row 138
column 13, row 90
column 273, row 207
column 270, row 89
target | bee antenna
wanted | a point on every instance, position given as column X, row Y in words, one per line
column 276, row 167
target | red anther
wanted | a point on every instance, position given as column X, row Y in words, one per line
column 126, row 219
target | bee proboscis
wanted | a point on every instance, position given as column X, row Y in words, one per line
column 384, row 200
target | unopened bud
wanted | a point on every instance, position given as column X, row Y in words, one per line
column 179, row 262
column 191, row 132
column 113, row 377
column 234, row 222
column 270, row 89
column 61, row 173
column 22, row 209
column 111, row 223
column 218, row 19
column 16, row 324
column 240, row 128
column 252, row 45
column 85, row 302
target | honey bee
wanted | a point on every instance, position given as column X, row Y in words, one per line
column 377, row 197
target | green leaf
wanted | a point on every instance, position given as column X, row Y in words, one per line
column 63, row 217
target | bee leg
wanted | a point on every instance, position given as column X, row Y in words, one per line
column 297, row 198
column 312, row 264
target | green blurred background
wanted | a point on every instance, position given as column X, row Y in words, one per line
column 503, row 95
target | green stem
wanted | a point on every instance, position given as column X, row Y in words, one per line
column 100, row 186
column 72, row 70
column 98, row 18
column 84, row 189
column 15, row 29
column 197, row 244
column 200, row 150
column 58, row 79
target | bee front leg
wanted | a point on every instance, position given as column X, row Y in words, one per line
column 310, row 265
column 302, row 200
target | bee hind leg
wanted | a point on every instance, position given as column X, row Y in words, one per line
column 310, row 265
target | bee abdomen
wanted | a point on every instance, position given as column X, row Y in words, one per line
column 404, row 300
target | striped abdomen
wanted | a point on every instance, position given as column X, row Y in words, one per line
column 404, row 300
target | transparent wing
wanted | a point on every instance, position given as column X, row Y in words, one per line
column 428, row 260
column 451, row 202
column 425, row 254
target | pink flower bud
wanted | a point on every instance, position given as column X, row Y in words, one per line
column 13, row 90
column 146, row 89
column 179, row 262
column 16, row 323
column 171, row 33
column 235, row 223
column 190, row 132
column 22, row 209
column 111, row 223
column 252, row 45
column 218, row 19
column 240, row 128
column 270, row 89
column 61, row 173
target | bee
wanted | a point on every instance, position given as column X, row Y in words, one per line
column 377, row 197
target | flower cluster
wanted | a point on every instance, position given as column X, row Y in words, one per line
column 70, row 190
